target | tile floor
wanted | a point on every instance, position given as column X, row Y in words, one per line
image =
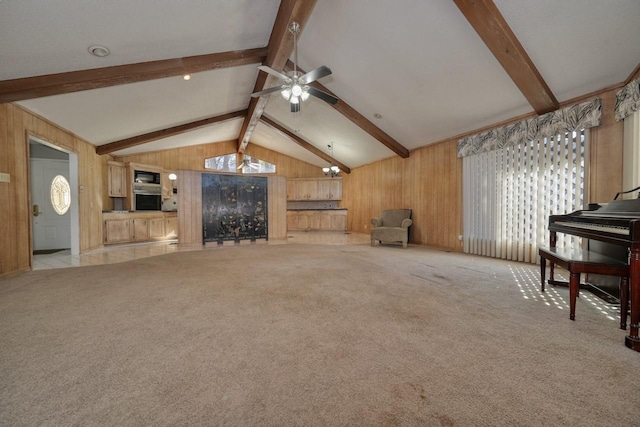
column 118, row 253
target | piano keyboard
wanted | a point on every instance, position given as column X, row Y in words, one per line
column 598, row 227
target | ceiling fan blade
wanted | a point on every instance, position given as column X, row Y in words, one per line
column 323, row 95
column 275, row 73
column 318, row 73
column 266, row 91
column 295, row 107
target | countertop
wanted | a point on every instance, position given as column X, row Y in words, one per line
column 136, row 214
column 317, row 209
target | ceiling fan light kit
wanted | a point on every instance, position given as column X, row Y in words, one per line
column 295, row 88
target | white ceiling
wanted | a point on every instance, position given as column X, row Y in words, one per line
column 419, row 64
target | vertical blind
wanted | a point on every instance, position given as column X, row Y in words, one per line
column 509, row 194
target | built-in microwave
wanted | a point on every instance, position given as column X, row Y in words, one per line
column 144, row 177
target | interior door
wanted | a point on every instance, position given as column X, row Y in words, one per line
column 51, row 230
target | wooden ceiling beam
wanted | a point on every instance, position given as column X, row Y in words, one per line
column 304, row 144
column 486, row 19
column 165, row 133
column 361, row 121
column 74, row 81
column 279, row 48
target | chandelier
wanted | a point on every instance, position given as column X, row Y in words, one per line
column 331, row 170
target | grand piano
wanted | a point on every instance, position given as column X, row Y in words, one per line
column 616, row 223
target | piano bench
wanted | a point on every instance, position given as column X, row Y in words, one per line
column 578, row 261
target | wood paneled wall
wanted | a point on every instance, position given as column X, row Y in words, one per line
column 605, row 153
column 192, row 158
column 15, row 212
column 429, row 182
column 286, row 166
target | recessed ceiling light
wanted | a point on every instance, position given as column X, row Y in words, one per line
column 377, row 115
column 99, row 51
column 187, row 77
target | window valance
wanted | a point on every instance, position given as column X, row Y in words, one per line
column 579, row 116
column 627, row 100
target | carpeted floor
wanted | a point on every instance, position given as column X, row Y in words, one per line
column 309, row 335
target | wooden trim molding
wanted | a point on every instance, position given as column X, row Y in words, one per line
column 280, row 48
column 486, row 19
column 164, row 133
column 74, row 81
column 304, row 144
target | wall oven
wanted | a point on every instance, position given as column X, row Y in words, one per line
column 147, row 197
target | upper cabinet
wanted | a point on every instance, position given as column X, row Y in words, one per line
column 330, row 189
column 117, row 180
column 314, row 189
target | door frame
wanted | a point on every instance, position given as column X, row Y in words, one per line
column 73, row 183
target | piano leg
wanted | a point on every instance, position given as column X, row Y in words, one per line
column 632, row 341
column 574, row 285
column 543, row 271
column 552, row 243
column 624, row 301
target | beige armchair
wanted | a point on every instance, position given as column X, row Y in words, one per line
column 392, row 226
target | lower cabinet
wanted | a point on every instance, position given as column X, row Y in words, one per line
column 130, row 227
column 156, row 228
column 117, row 230
column 171, row 227
column 317, row 220
column 140, row 229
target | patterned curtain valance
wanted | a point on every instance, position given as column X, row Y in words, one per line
column 627, row 100
column 569, row 119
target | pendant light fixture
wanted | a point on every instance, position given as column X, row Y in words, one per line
column 331, row 170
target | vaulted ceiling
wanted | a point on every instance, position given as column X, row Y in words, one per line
column 408, row 73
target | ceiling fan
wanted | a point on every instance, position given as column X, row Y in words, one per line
column 247, row 163
column 296, row 85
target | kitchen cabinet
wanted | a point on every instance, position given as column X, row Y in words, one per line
column 306, row 190
column 317, row 220
column 297, row 221
column 117, row 179
column 156, row 228
column 171, row 227
column 140, row 229
column 309, row 189
column 117, row 230
column 339, row 222
column 330, row 189
column 139, row 226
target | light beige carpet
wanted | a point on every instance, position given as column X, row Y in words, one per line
column 308, row 335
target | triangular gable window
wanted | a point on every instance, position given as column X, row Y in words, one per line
column 255, row 165
column 226, row 163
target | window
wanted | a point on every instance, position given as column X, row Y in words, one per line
column 509, row 194
column 226, row 163
column 60, row 193
column 254, row 165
